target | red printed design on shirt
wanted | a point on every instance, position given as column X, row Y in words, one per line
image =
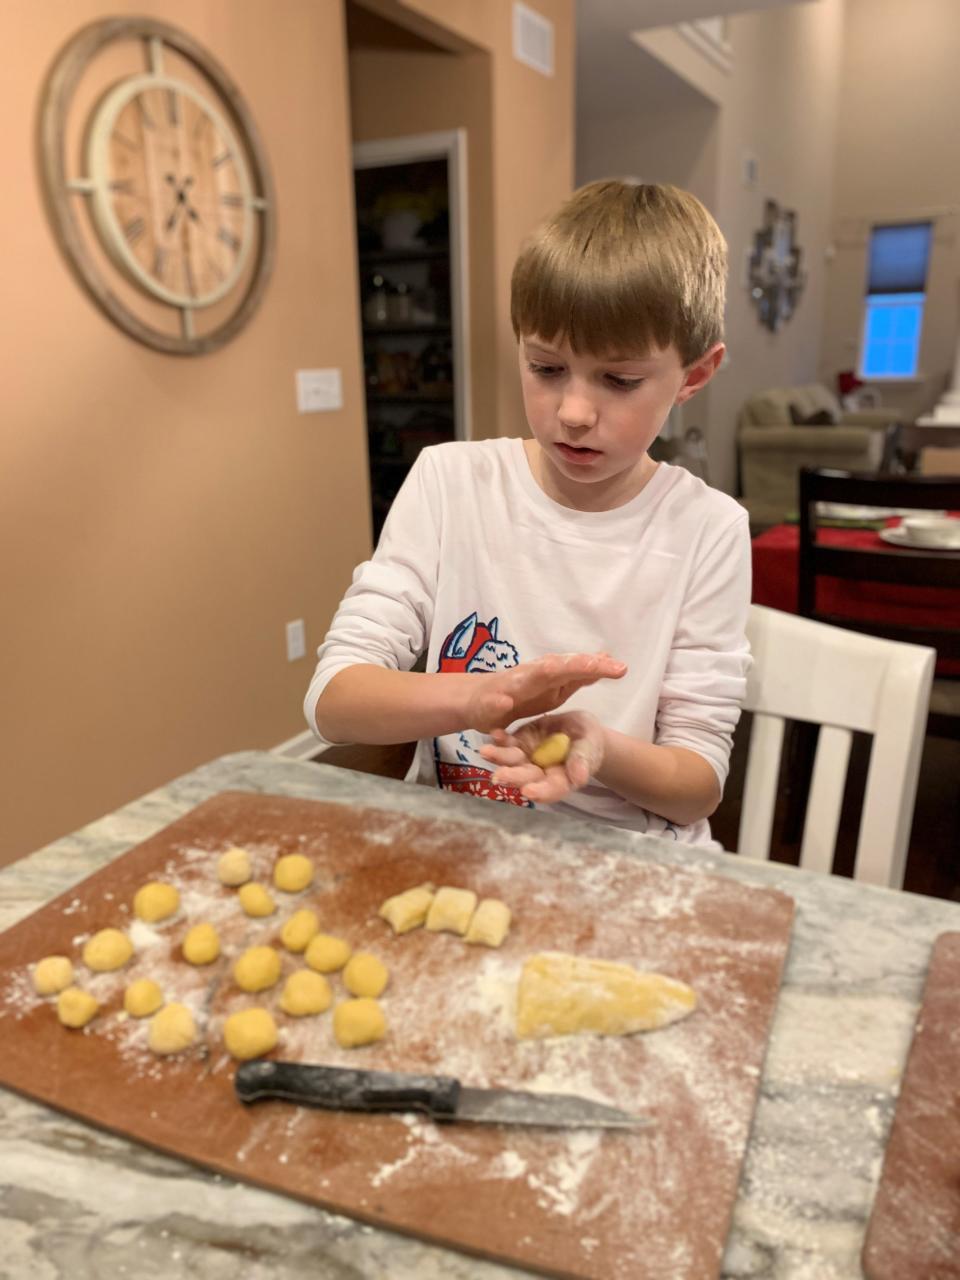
column 473, row 648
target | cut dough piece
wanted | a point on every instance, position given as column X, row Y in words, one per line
column 451, row 910
column 293, row 873
column 257, row 969
column 52, row 975
column 563, row 995
column 408, row 910
column 490, row 923
column 257, row 900
column 142, row 998
column 233, row 867
column 107, row 950
column 357, row 1022
column 305, row 992
column 156, row 901
column 249, row 1033
column 202, row 944
column 552, row 750
column 299, row 929
column 327, row 954
column 365, row 975
column 75, row 1008
column 172, row 1029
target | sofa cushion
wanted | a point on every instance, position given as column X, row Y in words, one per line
column 819, row 418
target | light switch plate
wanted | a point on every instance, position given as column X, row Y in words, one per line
column 319, row 389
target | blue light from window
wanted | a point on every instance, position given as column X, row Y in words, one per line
column 891, row 335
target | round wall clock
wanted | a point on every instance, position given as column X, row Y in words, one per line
column 157, row 184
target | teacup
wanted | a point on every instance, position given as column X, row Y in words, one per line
column 932, row 531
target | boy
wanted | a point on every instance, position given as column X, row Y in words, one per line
column 517, row 559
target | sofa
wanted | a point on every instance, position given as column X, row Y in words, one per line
column 776, row 437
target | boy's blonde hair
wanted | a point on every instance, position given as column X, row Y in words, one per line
column 624, row 267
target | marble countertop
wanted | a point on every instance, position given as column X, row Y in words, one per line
column 79, row 1202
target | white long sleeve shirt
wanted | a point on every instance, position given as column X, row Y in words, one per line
column 480, row 569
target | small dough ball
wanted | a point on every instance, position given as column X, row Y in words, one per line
column 365, row 975
column 249, row 1033
column 75, row 1008
column 202, row 944
column 490, row 923
column 233, row 867
column 257, row 900
column 51, row 975
column 142, row 998
column 552, row 750
column 257, row 969
column 293, row 872
column 305, row 992
column 406, row 911
column 357, row 1022
column 107, row 950
column 451, row 910
column 327, row 954
column 299, row 929
column 172, row 1029
column 156, row 901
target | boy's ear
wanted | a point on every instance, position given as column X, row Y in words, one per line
column 700, row 372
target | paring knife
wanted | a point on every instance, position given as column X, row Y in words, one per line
column 440, row 1097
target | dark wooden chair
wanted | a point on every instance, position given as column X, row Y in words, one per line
column 908, row 567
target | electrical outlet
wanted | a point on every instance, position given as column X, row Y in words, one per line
column 296, row 640
column 319, row 389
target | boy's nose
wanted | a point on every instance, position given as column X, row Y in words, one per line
column 576, row 409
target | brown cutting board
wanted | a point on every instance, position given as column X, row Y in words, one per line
column 621, row 1206
column 914, row 1229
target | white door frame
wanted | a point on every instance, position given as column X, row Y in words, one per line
column 451, row 145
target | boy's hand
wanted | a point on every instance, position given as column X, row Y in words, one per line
column 511, row 753
column 534, row 688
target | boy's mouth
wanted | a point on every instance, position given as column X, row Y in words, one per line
column 576, row 454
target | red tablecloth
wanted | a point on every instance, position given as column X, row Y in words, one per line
column 776, row 558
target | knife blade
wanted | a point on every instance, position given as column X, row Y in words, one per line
column 441, row 1098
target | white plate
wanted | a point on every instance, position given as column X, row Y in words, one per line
column 849, row 511
column 931, row 542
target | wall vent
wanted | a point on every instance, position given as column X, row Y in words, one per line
column 533, row 39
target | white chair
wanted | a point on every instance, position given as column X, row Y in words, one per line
column 845, row 682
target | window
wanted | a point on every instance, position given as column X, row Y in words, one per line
column 896, row 291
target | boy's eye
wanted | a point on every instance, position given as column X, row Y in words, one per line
column 544, row 370
column 623, row 384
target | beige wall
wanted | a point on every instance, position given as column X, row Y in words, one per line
column 163, row 518
column 896, row 161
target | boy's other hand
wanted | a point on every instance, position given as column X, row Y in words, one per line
column 535, row 688
column 511, row 753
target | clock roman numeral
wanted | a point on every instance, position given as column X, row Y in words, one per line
column 173, row 106
column 134, row 229
column 188, row 277
column 122, row 186
column 222, row 158
column 159, row 262
column 145, row 115
column 232, row 201
column 229, row 239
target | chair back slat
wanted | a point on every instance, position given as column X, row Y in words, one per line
column 760, row 786
column 826, row 799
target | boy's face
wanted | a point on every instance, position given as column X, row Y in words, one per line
column 594, row 418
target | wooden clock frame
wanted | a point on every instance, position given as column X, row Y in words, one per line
column 62, row 192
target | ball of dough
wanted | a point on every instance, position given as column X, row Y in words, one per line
column 408, row 910
column 257, row 969
column 305, row 992
column 490, row 923
column 357, row 1022
column 233, row 867
column 172, row 1029
column 327, row 954
column 156, row 901
column 451, row 910
column 109, row 949
column 552, row 750
column 299, row 929
column 202, row 944
column 75, row 1008
column 293, row 872
column 249, row 1033
column 256, row 900
column 365, row 975
column 142, row 998
column 51, row 975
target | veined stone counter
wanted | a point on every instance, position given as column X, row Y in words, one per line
column 76, row 1202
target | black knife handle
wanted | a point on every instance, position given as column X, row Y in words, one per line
column 343, row 1089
